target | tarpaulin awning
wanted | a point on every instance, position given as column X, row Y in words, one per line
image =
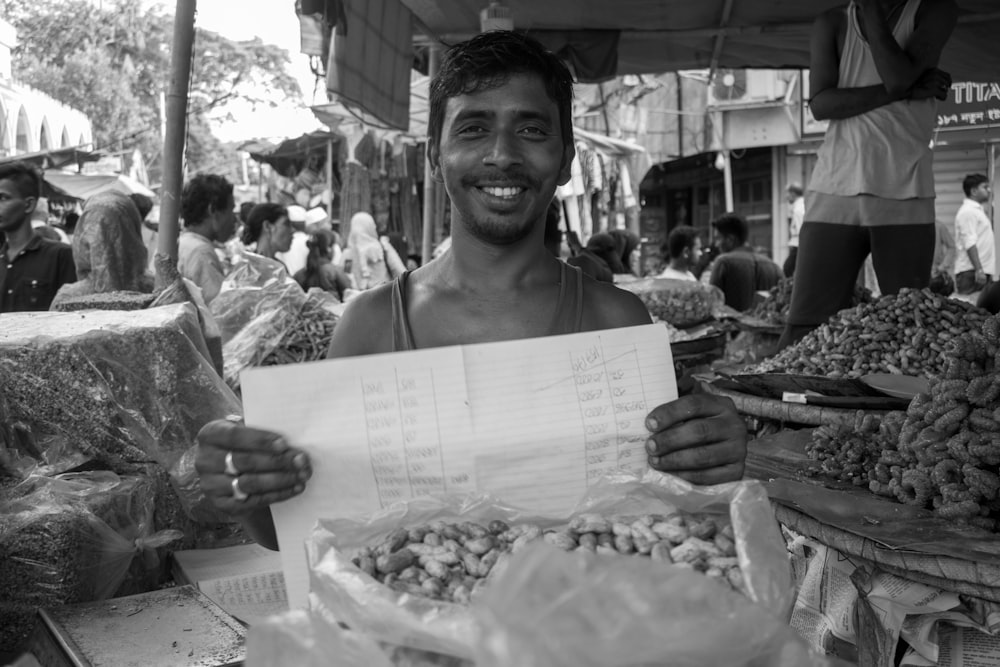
column 58, row 158
column 82, row 186
column 291, row 155
column 655, row 36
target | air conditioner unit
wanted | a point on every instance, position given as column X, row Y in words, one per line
column 745, row 87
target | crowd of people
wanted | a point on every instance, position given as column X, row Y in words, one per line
column 107, row 246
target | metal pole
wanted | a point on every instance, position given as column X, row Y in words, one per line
column 430, row 212
column 727, row 176
column 173, row 142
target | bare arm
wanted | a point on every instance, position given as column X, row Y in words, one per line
column 828, row 101
column 900, row 68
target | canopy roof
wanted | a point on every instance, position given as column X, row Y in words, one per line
column 291, row 155
column 652, row 36
column 61, row 184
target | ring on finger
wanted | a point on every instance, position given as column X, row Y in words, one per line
column 238, row 493
column 231, row 468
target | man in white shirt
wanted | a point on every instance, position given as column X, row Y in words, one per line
column 295, row 257
column 684, row 249
column 975, row 261
column 793, row 194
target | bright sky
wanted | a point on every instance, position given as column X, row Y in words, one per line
column 275, row 22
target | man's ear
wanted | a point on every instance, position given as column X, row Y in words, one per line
column 30, row 203
column 566, row 168
column 434, row 159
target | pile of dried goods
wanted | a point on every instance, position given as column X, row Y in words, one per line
column 682, row 303
column 774, row 309
column 452, row 561
column 123, row 388
column 904, row 334
column 282, row 337
column 943, row 453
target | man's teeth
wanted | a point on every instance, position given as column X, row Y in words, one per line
column 502, row 192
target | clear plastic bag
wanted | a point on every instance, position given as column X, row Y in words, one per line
column 71, row 538
column 123, row 388
column 306, row 639
column 366, row 605
column 550, row 608
column 256, row 286
column 682, row 303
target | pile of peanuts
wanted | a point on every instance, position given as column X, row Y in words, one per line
column 453, row 561
column 905, row 334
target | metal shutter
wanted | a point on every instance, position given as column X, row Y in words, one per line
column 951, row 165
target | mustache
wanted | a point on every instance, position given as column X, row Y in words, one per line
column 514, row 178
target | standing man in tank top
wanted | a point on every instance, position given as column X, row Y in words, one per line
column 874, row 76
column 501, row 140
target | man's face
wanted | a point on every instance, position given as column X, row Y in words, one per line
column 727, row 243
column 15, row 210
column 224, row 221
column 693, row 254
column 501, row 156
column 791, row 196
column 981, row 193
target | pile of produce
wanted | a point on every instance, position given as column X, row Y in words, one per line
column 451, row 561
column 682, row 303
column 905, row 334
column 774, row 309
column 281, row 337
column 943, row 453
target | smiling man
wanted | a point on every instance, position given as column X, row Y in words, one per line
column 500, row 140
column 32, row 269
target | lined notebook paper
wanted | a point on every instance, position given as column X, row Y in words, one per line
column 533, row 422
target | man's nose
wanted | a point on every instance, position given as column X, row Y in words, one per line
column 503, row 151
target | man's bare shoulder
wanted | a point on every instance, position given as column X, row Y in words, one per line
column 607, row 306
column 366, row 325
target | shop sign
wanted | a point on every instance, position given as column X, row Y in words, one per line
column 970, row 104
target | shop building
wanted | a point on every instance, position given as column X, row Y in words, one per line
column 31, row 121
column 759, row 136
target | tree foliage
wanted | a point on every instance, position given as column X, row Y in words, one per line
column 111, row 60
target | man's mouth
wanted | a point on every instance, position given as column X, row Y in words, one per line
column 502, row 193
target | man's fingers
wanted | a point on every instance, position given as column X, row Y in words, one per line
column 214, row 461
column 696, row 434
column 726, row 473
column 227, row 435
column 685, row 409
column 699, row 458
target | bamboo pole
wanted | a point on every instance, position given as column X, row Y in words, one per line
column 173, row 142
column 431, row 212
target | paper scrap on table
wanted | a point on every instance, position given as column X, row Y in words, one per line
column 251, row 597
column 197, row 565
column 532, row 421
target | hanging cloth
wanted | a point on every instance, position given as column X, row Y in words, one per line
column 370, row 62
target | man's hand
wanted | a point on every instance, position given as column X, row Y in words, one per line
column 245, row 469
column 980, row 278
column 699, row 437
column 932, row 83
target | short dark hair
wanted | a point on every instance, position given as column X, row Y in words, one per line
column 973, row 181
column 142, row 202
column 259, row 214
column 245, row 209
column 795, row 188
column 487, row 61
column 27, row 177
column 679, row 239
column 202, row 192
column 733, row 225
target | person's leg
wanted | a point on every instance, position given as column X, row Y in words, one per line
column 829, row 258
column 902, row 256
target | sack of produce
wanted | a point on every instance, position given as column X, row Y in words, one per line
column 556, row 609
column 682, row 303
column 256, row 286
column 292, row 331
column 71, row 538
column 408, row 574
column 121, row 388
